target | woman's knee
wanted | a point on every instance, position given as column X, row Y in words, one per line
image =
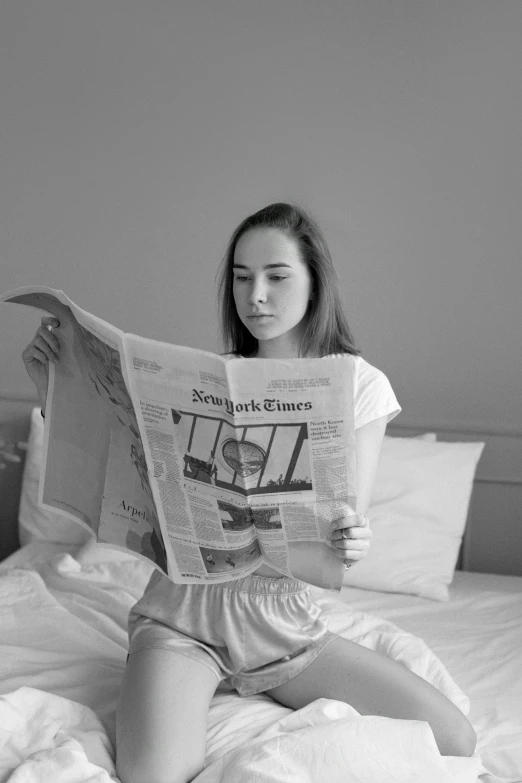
column 161, row 718
column 146, row 773
column 138, row 764
column 457, row 738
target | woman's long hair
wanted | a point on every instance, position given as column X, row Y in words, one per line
column 327, row 329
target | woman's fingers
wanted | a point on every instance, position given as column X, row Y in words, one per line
column 34, row 353
column 49, row 339
column 352, row 533
column 355, row 549
column 40, row 349
column 351, row 537
column 351, row 554
column 46, row 331
column 356, row 526
column 352, row 521
column 349, row 543
column 45, row 346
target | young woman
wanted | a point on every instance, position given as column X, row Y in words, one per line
column 263, row 633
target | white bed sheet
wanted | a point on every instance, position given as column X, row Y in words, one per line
column 478, row 636
column 63, row 645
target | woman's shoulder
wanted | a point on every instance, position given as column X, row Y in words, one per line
column 361, row 366
column 373, row 393
column 365, row 370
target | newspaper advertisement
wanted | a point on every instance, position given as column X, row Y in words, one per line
column 210, row 467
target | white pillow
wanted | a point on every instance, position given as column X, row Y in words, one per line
column 418, row 514
column 36, row 523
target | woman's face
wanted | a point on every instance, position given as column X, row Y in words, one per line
column 272, row 288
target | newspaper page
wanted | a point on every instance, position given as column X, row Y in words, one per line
column 208, row 467
column 250, row 458
column 94, row 469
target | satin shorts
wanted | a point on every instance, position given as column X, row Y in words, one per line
column 254, row 633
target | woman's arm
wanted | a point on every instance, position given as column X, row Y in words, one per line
column 43, row 348
column 368, row 439
column 351, row 534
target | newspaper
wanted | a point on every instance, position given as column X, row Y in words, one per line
column 210, row 467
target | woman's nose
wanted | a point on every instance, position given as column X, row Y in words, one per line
column 257, row 293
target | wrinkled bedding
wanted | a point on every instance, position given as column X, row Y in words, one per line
column 63, row 645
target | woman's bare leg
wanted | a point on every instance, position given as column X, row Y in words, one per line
column 161, row 721
column 375, row 684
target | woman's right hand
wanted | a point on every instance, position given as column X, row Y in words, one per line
column 43, row 348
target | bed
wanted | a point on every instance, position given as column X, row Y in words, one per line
column 419, row 597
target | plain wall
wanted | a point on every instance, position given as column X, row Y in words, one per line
column 135, row 136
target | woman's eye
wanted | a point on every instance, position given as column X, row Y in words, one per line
column 244, row 278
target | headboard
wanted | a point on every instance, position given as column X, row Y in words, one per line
column 493, row 538
column 14, row 429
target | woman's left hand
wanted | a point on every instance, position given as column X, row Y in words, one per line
column 350, row 538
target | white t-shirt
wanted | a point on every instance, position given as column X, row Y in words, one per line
column 373, row 394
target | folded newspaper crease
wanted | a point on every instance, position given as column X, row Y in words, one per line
column 207, row 467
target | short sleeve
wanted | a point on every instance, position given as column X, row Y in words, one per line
column 374, row 396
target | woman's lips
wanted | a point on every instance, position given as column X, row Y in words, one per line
column 259, row 318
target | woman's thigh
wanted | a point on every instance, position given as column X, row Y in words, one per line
column 162, row 717
column 375, row 684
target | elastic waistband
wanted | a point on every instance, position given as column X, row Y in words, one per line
column 265, row 585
